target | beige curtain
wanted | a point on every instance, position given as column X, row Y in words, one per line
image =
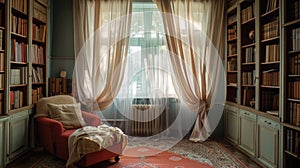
column 101, row 35
column 194, row 33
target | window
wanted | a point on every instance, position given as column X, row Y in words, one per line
column 148, row 66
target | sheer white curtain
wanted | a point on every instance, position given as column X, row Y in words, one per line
column 101, row 33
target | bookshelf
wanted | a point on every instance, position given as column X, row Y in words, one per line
column 291, row 115
column 23, row 70
column 231, row 57
column 269, row 57
column 39, row 51
column 2, row 56
column 248, row 50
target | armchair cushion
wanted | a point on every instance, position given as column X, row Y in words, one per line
column 68, row 114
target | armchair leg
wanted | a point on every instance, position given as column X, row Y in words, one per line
column 117, row 158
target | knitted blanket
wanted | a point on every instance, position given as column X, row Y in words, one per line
column 90, row 139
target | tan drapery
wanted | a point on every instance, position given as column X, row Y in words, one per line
column 101, row 36
column 195, row 66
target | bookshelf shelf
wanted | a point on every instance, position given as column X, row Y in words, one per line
column 294, row 76
column 248, row 63
column 232, row 85
column 38, row 42
column 232, row 71
column 270, row 87
column 293, row 100
column 232, row 40
column 2, row 51
column 18, row 12
column 270, row 39
column 16, row 35
column 233, row 55
column 291, row 126
column 248, row 86
column 271, row 12
column 293, row 52
column 248, row 45
column 292, row 23
column 2, row 28
column 39, row 21
column 270, row 63
column 18, row 85
column 40, row 83
column 291, row 154
column 18, row 63
column 232, row 23
column 249, row 21
column 37, row 64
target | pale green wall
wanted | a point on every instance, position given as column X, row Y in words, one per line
column 62, row 46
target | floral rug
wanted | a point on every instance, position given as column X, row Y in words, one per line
column 209, row 153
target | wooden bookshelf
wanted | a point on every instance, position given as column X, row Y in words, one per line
column 231, row 56
column 291, row 116
column 19, row 42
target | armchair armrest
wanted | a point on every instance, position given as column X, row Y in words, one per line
column 91, row 119
column 48, row 129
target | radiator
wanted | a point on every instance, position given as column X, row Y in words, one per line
column 148, row 119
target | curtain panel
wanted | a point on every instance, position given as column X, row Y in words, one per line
column 194, row 33
column 101, row 33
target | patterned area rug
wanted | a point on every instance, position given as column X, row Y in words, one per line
column 207, row 154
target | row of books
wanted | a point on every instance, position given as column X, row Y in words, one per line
column 19, row 25
column 293, row 142
column 37, row 93
column 294, row 89
column 39, row 11
column 2, row 62
column 232, row 79
column 232, row 49
column 271, row 5
column 18, row 51
column 2, row 112
column 21, row 6
column 232, row 64
column 232, row 19
column 271, row 29
column 269, row 100
column 37, row 54
column 250, row 54
column 37, row 75
column 232, row 33
column 272, row 53
column 270, row 77
column 295, row 9
column 1, row 39
column 295, row 39
column 248, row 77
column 18, row 76
column 247, row 13
column 293, row 115
column 39, row 32
column 248, row 96
column 16, row 99
column 294, row 65
column 57, row 86
column 1, row 81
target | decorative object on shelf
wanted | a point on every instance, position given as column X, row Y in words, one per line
column 63, row 73
column 252, row 102
column 252, row 35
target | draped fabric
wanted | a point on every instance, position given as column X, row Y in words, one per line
column 101, row 33
column 195, row 38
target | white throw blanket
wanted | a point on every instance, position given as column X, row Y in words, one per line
column 90, row 139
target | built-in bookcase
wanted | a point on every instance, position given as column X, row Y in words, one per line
column 38, row 50
column 231, row 57
column 18, row 70
column 269, row 57
column 291, row 116
column 248, row 49
column 2, row 55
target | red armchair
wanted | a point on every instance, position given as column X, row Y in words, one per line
column 54, row 138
